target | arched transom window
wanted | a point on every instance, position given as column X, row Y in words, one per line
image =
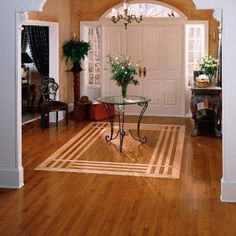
column 149, row 10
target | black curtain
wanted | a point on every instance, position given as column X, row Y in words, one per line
column 38, row 37
column 24, row 39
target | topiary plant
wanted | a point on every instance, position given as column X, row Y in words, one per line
column 75, row 51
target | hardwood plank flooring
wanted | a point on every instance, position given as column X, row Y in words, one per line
column 55, row 203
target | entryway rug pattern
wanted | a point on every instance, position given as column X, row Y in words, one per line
column 88, row 152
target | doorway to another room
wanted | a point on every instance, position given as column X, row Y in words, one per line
column 39, row 48
column 35, row 66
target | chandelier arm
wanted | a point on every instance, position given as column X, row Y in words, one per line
column 115, row 20
column 126, row 17
column 137, row 19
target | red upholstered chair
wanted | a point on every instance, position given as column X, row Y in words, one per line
column 49, row 90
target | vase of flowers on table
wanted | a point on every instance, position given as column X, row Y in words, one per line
column 209, row 66
column 123, row 72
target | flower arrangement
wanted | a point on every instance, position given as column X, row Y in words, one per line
column 123, row 71
column 209, row 66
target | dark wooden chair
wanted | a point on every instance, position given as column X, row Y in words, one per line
column 49, row 90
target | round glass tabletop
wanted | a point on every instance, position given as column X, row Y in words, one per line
column 119, row 100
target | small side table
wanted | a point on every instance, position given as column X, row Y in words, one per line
column 213, row 95
column 121, row 102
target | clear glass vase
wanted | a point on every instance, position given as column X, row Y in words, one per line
column 212, row 80
column 124, row 91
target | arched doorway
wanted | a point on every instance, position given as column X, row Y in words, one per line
column 12, row 16
column 157, row 43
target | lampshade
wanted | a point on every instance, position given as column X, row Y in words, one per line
column 25, row 58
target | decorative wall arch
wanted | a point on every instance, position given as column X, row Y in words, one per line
column 42, row 4
column 158, row 3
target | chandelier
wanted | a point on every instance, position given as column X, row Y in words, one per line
column 125, row 15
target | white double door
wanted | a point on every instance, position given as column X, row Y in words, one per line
column 159, row 50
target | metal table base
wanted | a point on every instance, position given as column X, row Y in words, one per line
column 121, row 133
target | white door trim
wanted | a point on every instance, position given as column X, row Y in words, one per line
column 85, row 88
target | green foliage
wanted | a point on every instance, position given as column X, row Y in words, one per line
column 123, row 70
column 209, row 66
column 75, row 50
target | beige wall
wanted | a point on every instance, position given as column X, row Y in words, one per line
column 69, row 13
column 59, row 11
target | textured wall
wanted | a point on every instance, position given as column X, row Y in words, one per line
column 59, row 11
column 92, row 9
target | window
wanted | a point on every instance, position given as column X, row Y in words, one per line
column 94, row 55
column 196, row 47
column 149, row 10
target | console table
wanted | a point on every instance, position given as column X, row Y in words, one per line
column 121, row 102
column 213, row 96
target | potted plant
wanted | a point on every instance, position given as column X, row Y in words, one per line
column 75, row 51
column 124, row 72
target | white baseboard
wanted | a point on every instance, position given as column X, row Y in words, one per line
column 61, row 114
column 52, row 116
column 71, row 107
column 228, row 191
column 189, row 115
column 11, row 178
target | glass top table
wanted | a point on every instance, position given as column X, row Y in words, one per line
column 121, row 103
column 119, row 100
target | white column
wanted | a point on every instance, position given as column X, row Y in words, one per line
column 11, row 171
column 228, row 182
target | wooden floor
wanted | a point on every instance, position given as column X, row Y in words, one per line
column 55, row 203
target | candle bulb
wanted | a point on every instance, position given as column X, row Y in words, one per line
column 113, row 11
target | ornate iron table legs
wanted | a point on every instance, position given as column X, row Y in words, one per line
column 139, row 138
column 121, row 119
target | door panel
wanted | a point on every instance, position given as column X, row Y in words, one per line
column 133, row 49
column 160, row 50
column 113, row 45
column 153, row 64
column 162, row 53
column 173, row 70
column 170, row 95
column 154, row 94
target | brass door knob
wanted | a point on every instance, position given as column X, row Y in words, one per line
column 144, row 72
column 140, row 71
